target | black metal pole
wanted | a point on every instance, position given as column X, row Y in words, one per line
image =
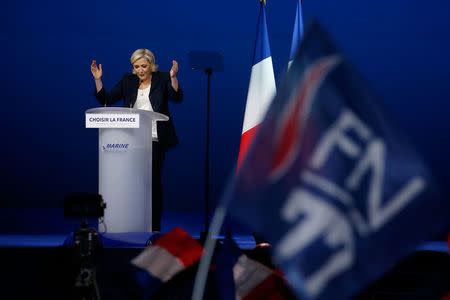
column 209, row 72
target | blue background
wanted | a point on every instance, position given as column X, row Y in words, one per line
column 401, row 47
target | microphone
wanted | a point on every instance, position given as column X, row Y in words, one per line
column 106, row 101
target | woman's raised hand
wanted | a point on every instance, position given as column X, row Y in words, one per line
column 97, row 72
column 174, row 70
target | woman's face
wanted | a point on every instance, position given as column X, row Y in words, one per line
column 142, row 68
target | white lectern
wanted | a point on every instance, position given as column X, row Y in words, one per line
column 125, row 165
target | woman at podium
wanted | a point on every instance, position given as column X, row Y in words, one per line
column 148, row 89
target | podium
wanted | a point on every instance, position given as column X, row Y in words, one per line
column 125, row 165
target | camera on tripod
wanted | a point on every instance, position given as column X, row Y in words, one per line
column 83, row 205
column 85, row 240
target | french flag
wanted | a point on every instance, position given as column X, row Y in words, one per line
column 261, row 87
column 255, row 281
column 297, row 33
column 243, row 278
column 168, row 255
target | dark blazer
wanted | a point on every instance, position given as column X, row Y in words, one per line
column 160, row 92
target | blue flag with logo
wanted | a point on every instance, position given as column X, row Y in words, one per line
column 297, row 33
column 330, row 180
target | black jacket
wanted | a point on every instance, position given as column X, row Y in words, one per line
column 160, row 92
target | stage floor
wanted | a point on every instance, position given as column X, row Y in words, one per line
column 48, row 228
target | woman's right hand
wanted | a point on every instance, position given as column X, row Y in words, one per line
column 97, row 72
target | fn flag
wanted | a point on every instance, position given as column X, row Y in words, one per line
column 331, row 181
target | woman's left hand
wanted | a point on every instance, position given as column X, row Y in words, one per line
column 174, row 70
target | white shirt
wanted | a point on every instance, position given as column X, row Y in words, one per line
column 143, row 102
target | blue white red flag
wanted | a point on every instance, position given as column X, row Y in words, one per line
column 240, row 277
column 261, row 88
column 169, row 255
column 330, row 180
column 297, row 33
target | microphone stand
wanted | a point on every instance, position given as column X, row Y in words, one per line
column 208, row 71
column 206, row 61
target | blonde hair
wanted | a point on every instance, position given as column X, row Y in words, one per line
column 144, row 53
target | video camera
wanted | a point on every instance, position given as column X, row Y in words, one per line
column 85, row 240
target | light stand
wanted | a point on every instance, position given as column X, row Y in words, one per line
column 209, row 72
column 206, row 61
